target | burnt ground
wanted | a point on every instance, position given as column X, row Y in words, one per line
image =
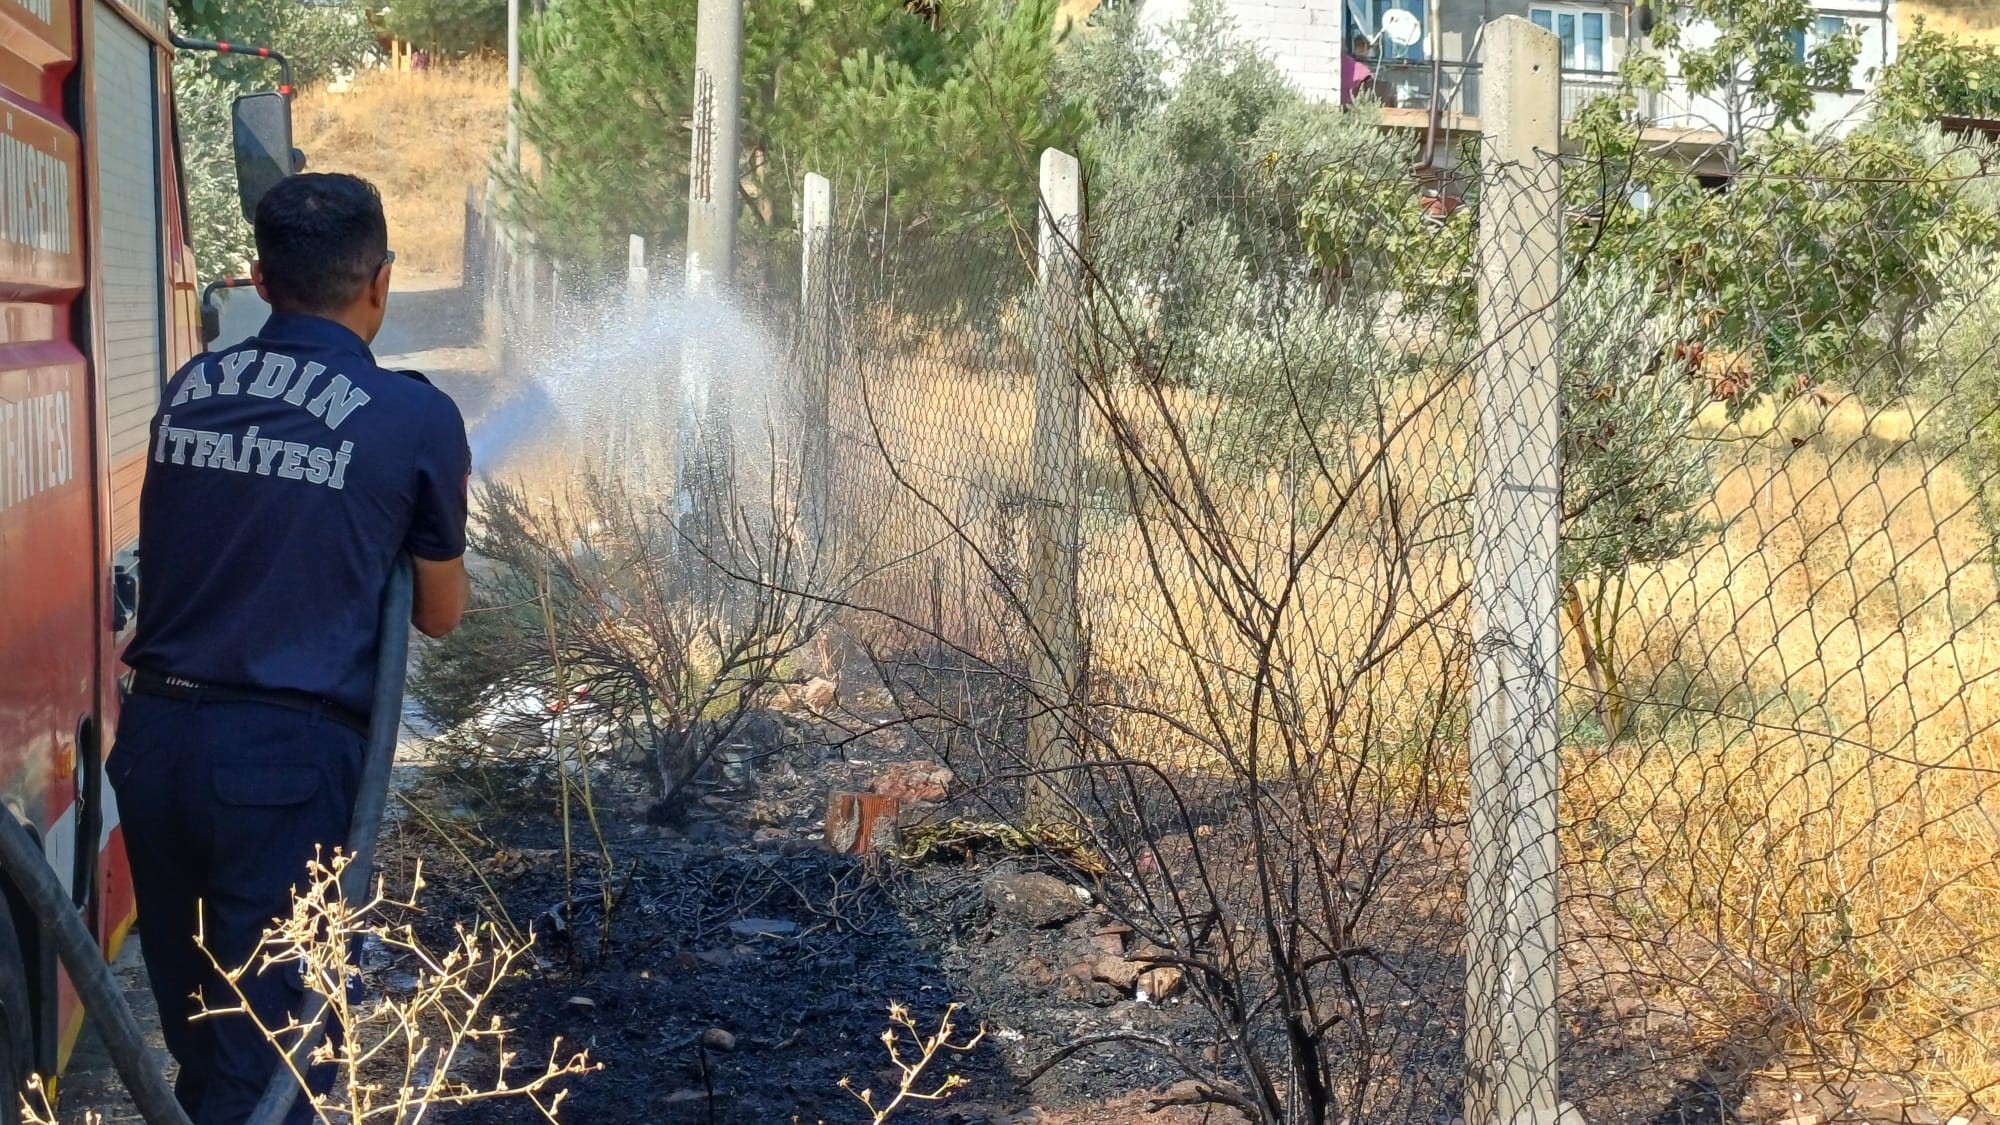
column 747, row 970
column 733, row 922
column 739, row 920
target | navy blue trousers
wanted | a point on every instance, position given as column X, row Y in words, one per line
column 223, row 805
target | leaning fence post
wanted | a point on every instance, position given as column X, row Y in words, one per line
column 816, row 356
column 637, row 276
column 469, row 275
column 1053, row 527
column 1511, row 893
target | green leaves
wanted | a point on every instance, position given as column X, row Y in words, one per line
column 320, row 40
column 457, row 27
column 1634, row 480
column 1813, row 262
column 1367, row 227
column 939, row 125
column 1936, row 76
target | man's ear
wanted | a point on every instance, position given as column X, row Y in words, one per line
column 379, row 291
column 257, row 279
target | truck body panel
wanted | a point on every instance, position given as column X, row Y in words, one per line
column 97, row 307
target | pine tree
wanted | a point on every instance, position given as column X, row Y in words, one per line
column 454, row 27
column 936, row 119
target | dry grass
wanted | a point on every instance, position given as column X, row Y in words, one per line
column 422, row 139
column 1797, row 843
column 1803, row 837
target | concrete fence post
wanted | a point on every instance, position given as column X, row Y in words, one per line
column 531, row 277
column 514, row 85
column 816, row 357
column 1511, row 954
column 1054, row 527
column 637, row 276
column 470, row 278
column 492, row 272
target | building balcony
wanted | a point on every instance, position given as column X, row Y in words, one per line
column 1409, row 90
column 1408, row 95
column 1581, row 87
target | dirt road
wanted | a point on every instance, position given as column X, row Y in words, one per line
column 432, row 327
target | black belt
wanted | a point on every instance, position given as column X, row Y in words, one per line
column 179, row 687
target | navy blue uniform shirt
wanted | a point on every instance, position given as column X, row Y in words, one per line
column 283, row 478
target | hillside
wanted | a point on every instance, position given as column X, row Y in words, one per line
column 422, row 139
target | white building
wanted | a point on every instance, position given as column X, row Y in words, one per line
column 1303, row 37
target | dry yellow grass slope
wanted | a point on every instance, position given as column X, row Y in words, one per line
column 1805, row 838
column 1796, row 842
column 422, row 139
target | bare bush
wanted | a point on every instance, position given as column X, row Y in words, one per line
column 591, row 615
column 924, row 1049
column 402, row 1057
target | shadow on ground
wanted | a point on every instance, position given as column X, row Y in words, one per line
column 742, row 980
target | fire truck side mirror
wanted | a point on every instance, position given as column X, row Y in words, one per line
column 211, row 322
column 262, row 124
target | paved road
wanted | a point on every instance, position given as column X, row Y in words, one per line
column 432, row 326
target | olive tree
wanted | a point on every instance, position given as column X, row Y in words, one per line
column 320, row 40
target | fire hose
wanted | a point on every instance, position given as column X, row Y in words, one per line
column 139, row 1066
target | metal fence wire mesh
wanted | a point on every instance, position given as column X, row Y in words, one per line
column 1778, row 834
column 1266, row 492
column 1567, row 578
column 1248, row 424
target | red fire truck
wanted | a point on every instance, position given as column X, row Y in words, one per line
column 98, row 305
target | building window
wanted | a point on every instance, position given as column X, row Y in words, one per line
column 1582, row 33
column 1822, row 30
column 1389, row 51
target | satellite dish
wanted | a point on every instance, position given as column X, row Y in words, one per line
column 1401, row 27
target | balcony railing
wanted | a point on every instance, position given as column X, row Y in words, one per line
column 1581, row 87
column 1408, row 85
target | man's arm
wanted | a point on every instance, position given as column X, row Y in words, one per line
column 436, row 539
column 441, row 592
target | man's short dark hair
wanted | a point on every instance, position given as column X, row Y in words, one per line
column 320, row 237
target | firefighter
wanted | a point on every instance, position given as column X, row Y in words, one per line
column 285, row 476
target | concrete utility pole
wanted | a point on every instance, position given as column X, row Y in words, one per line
column 816, row 367
column 702, row 434
column 1511, row 1027
column 513, row 84
column 713, row 169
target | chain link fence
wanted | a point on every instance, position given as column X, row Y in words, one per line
column 1779, row 840
column 1165, row 529
column 1518, row 639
